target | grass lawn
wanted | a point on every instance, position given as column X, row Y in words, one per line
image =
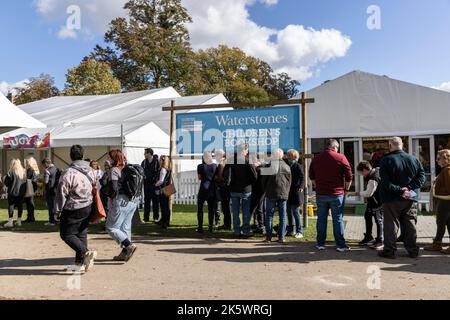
column 184, row 225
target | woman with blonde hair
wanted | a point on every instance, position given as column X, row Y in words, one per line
column 15, row 181
column 165, row 178
column 32, row 174
column 441, row 195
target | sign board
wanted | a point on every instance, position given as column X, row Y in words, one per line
column 263, row 129
column 23, row 141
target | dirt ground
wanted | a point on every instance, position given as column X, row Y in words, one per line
column 32, row 267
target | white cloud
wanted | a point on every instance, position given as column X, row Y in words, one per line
column 66, row 33
column 295, row 49
column 6, row 87
column 445, row 86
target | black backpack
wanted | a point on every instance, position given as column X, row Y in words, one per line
column 132, row 181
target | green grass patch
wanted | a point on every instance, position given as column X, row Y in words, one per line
column 184, row 225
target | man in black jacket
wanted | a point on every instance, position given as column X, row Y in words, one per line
column 151, row 199
column 51, row 179
column 402, row 176
column 240, row 175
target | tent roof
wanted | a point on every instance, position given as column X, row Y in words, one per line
column 97, row 120
column 147, row 111
column 13, row 117
column 361, row 104
column 58, row 111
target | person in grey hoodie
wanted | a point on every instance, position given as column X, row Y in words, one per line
column 73, row 208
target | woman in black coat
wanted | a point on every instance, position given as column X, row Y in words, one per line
column 32, row 174
column 15, row 181
column 296, row 197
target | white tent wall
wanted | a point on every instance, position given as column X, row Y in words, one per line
column 367, row 105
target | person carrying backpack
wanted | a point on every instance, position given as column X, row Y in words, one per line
column 207, row 192
column 124, row 188
column 15, row 181
column 73, row 207
column 51, row 179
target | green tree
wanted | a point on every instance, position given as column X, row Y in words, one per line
column 91, row 77
column 150, row 49
column 282, row 86
column 38, row 88
column 242, row 78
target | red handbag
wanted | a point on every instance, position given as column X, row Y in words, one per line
column 98, row 212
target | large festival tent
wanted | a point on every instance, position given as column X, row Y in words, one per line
column 100, row 123
column 363, row 110
column 12, row 117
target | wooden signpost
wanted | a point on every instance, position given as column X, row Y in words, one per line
column 304, row 101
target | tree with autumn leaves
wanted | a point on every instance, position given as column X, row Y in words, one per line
column 151, row 49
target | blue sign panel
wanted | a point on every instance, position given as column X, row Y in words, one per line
column 263, row 129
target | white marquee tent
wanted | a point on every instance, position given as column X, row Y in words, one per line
column 361, row 104
column 12, row 117
column 101, row 122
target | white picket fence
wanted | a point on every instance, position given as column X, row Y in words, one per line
column 187, row 185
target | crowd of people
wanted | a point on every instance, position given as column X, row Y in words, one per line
column 245, row 185
column 252, row 187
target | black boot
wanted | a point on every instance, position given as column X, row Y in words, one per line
column 366, row 240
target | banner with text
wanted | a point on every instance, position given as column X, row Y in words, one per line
column 23, row 141
column 263, row 129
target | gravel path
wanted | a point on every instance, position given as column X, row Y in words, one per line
column 31, row 267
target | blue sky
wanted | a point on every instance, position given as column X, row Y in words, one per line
column 412, row 44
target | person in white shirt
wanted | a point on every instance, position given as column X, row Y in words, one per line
column 98, row 173
column 374, row 206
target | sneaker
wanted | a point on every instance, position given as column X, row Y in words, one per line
column 200, row 230
column 131, row 249
column 89, row 260
column 298, row 236
column 366, row 241
column 344, row 249
column 282, row 241
column 121, row 256
column 9, row 224
column 377, row 246
column 19, row 223
column 76, row 269
column 413, row 255
column 50, row 224
column 386, row 254
column 267, row 240
column 321, row 248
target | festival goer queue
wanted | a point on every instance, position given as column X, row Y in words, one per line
column 251, row 187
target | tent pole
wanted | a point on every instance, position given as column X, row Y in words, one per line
column 305, row 159
column 121, row 137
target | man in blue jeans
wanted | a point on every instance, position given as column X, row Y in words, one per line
column 240, row 175
column 332, row 176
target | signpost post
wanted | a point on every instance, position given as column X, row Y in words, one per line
column 305, row 160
